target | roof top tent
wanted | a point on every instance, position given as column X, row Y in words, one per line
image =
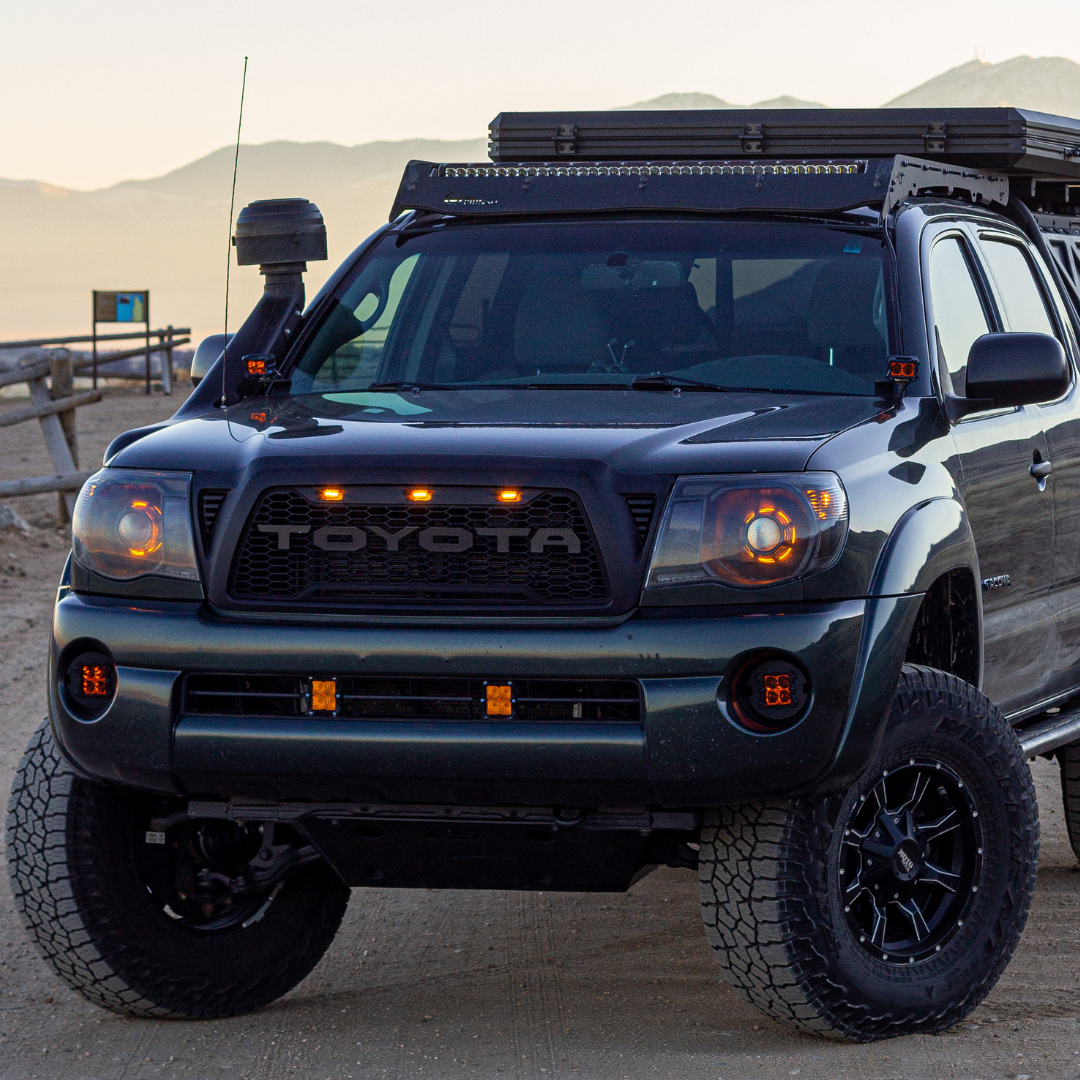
column 1017, row 141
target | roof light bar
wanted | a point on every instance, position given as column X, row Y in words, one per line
column 674, row 168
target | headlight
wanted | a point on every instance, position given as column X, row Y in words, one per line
column 749, row 531
column 129, row 523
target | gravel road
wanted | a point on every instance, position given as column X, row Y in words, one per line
column 487, row 984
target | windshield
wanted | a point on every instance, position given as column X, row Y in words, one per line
column 735, row 305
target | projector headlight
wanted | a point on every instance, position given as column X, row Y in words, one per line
column 750, row 531
column 131, row 523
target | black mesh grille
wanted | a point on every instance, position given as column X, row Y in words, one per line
column 403, row 698
column 642, row 508
column 384, row 571
column 209, row 508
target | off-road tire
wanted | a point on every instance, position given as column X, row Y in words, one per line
column 1069, row 759
column 771, row 892
column 75, row 885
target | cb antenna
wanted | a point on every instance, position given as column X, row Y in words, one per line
column 228, row 249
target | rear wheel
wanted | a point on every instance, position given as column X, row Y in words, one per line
column 894, row 907
column 146, row 912
column 1069, row 758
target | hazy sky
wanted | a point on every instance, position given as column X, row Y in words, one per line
column 93, row 93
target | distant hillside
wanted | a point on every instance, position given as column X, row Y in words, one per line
column 169, row 233
column 710, row 101
column 1047, row 83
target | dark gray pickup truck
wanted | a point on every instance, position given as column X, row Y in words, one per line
column 686, row 489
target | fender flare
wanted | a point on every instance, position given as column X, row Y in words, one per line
column 928, row 541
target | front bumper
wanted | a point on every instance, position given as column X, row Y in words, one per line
column 684, row 753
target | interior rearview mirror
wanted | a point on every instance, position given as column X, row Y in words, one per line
column 1016, row 369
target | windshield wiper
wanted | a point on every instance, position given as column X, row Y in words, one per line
column 670, row 382
column 409, row 386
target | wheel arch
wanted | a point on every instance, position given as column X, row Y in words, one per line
column 928, row 565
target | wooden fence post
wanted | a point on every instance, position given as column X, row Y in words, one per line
column 166, row 360
column 62, row 385
column 56, row 441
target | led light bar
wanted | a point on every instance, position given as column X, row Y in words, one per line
column 674, row 168
column 582, row 187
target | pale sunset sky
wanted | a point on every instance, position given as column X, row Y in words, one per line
column 95, row 93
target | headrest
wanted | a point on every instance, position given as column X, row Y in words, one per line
column 842, row 304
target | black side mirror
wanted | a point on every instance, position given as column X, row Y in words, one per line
column 1016, row 369
column 206, row 355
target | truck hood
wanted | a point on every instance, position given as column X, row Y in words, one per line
column 439, row 436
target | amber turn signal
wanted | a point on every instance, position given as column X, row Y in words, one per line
column 332, row 494
column 419, row 494
column 508, row 495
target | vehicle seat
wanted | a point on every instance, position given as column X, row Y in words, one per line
column 841, row 316
column 558, row 328
column 667, row 325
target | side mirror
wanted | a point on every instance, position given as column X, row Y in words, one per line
column 206, row 355
column 1016, row 369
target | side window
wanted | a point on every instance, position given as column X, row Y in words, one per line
column 1022, row 299
column 363, row 317
column 959, row 316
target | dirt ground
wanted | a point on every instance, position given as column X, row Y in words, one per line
column 486, row 984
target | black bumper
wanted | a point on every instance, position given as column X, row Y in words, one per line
column 684, row 753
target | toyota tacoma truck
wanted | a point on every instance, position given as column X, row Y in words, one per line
column 697, row 489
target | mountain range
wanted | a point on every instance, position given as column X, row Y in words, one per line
column 169, row 233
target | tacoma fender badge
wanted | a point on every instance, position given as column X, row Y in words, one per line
column 999, row 581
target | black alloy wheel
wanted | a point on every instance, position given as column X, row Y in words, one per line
column 892, row 907
column 199, row 873
column 911, row 861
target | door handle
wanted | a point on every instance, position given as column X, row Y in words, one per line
column 1041, row 470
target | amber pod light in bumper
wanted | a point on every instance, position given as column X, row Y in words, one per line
column 750, row 531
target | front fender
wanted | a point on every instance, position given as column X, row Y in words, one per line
column 928, row 541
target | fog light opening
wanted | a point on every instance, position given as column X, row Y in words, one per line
column 769, row 694
column 89, row 681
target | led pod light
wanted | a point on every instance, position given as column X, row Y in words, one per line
column 130, row 523
column 750, row 531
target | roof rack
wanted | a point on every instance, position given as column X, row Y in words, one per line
column 807, row 186
column 1016, row 141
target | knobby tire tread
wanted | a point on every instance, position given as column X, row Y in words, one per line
column 1069, row 758
column 762, row 874
column 69, row 909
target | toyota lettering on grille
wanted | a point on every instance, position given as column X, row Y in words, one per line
column 439, row 538
column 537, row 552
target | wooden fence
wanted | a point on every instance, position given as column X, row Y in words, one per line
column 53, row 401
column 167, row 340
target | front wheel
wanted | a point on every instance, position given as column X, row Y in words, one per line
column 894, row 907
column 145, row 912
